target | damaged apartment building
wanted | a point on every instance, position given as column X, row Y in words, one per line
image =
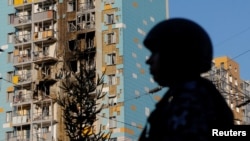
column 48, row 41
column 34, row 70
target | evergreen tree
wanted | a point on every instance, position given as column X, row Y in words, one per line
column 79, row 105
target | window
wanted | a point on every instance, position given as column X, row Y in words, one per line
column 10, row 75
column 111, row 79
column 10, row 57
column 8, row 116
column 112, row 101
column 72, row 26
column 45, row 50
column 71, row 6
column 10, row 96
column 112, row 122
column 111, row 59
column 10, row 38
column 9, row 136
column 222, row 65
column 11, row 18
column 45, row 112
column 10, row 2
column 109, row 19
column 230, row 78
column 109, row 1
column 111, row 38
column 236, row 82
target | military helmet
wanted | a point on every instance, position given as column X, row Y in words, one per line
column 184, row 39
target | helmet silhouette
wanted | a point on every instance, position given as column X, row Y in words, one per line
column 184, row 39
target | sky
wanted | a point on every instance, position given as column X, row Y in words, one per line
column 227, row 23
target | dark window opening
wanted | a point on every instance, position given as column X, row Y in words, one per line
column 73, row 66
column 72, row 45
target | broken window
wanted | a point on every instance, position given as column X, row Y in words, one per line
column 71, row 6
column 73, row 66
column 72, row 45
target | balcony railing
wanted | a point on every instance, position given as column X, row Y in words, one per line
column 45, row 15
column 86, row 25
column 20, row 137
column 21, row 19
column 23, row 76
column 22, row 59
column 22, row 97
column 22, row 38
column 20, row 119
column 43, row 136
column 21, row 2
column 45, row 115
column 42, row 56
column 86, row 6
column 42, row 35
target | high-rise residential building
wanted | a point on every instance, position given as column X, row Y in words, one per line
column 45, row 41
column 32, row 56
column 225, row 74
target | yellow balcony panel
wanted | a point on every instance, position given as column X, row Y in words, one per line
column 107, row 6
column 15, row 79
column 127, row 130
column 1, row 110
column 10, row 89
column 18, row 2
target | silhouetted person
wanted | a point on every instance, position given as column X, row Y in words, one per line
column 180, row 51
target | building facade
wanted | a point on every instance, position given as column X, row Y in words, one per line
column 225, row 74
column 245, row 103
column 33, row 56
column 45, row 41
column 6, row 89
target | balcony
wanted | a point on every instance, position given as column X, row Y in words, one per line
column 22, row 58
column 22, row 96
column 86, row 6
column 46, row 75
column 43, row 136
column 43, row 56
column 22, row 4
column 42, row 113
column 37, row 1
column 85, row 26
column 44, row 36
column 22, row 77
column 42, row 116
column 18, row 120
column 85, row 20
column 20, row 135
column 22, row 39
column 23, row 21
column 45, row 15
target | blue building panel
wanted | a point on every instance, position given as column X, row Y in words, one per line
column 136, row 18
column 5, row 66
